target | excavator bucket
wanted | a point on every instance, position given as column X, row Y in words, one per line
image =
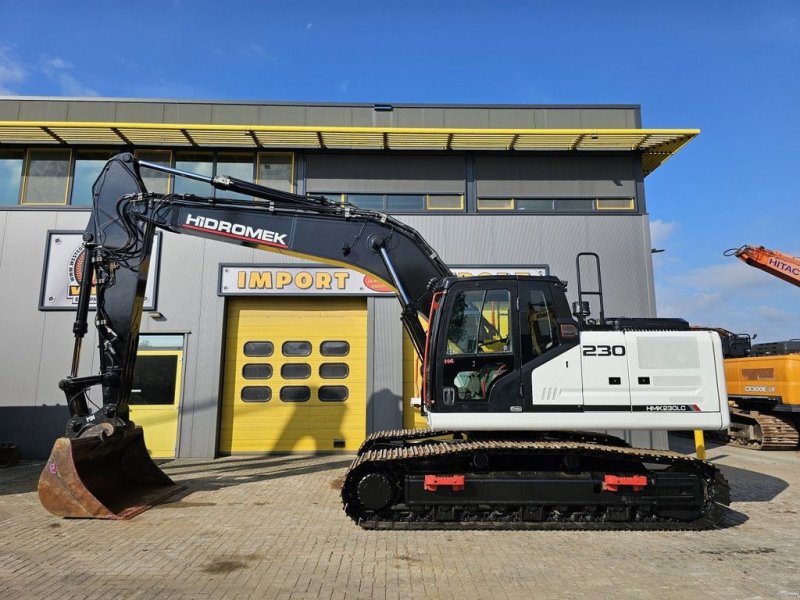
column 98, row 477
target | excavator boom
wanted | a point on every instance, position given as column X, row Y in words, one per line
column 775, row 263
column 101, row 467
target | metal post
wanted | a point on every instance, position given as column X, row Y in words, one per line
column 699, row 444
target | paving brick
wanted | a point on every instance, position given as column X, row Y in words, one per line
column 273, row 527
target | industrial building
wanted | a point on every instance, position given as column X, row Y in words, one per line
column 250, row 351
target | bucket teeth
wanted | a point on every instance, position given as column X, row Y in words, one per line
column 100, row 477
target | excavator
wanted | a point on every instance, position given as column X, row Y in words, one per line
column 516, row 388
column 764, row 379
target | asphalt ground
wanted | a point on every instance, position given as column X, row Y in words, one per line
column 273, row 527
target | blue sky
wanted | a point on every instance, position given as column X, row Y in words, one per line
column 729, row 68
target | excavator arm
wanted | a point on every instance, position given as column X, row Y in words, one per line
column 118, row 242
column 771, row 261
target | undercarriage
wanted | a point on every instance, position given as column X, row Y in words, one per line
column 413, row 479
column 762, row 430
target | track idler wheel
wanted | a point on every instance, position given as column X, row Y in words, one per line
column 375, row 491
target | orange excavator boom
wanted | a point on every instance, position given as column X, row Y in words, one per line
column 773, row 262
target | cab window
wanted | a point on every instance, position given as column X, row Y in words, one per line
column 542, row 322
column 479, row 323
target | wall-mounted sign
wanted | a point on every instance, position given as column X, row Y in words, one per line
column 473, row 270
column 64, row 267
column 258, row 280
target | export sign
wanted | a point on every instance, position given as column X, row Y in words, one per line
column 65, row 266
column 257, row 280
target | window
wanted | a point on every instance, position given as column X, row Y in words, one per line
column 444, row 202
column 333, row 393
column 160, row 341
column 296, row 348
column 535, row 204
column 556, row 205
column 574, row 205
column 256, row 393
column 334, row 370
column 10, row 177
column 154, row 380
column 296, row 371
column 479, row 323
column 542, row 322
column 88, row 166
column 240, row 166
column 406, row 202
column 474, row 385
column 155, row 181
column 615, row 204
column 337, row 348
column 258, row 349
column 276, row 171
column 295, row 393
column 256, row 371
column 495, row 204
column 46, row 177
column 195, row 162
column 368, row 201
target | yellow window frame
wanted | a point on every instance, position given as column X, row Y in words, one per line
column 598, row 206
column 429, row 207
column 510, row 204
column 67, row 185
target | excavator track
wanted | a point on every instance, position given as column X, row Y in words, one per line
column 762, row 431
column 530, row 484
column 398, row 437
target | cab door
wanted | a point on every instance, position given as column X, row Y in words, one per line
column 551, row 364
column 478, row 358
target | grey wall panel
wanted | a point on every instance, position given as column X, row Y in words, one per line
column 140, row 112
column 100, row 110
column 23, row 326
column 381, row 174
column 385, row 377
column 331, row 116
column 10, row 110
column 234, row 114
column 44, row 110
column 466, row 117
column 419, row 117
column 539, row 175
column 557, row 118
column 191, row 113
column 281, row 115
column 606, row 119
column 512, row 118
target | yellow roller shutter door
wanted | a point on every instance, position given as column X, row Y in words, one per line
column 295, row 375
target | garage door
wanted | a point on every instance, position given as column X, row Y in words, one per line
column 295, row 375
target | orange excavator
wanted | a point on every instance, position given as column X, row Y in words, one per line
column 764, row 379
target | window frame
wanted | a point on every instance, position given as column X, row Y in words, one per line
column 26, row 174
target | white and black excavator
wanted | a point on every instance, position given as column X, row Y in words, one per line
column 515, row 388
